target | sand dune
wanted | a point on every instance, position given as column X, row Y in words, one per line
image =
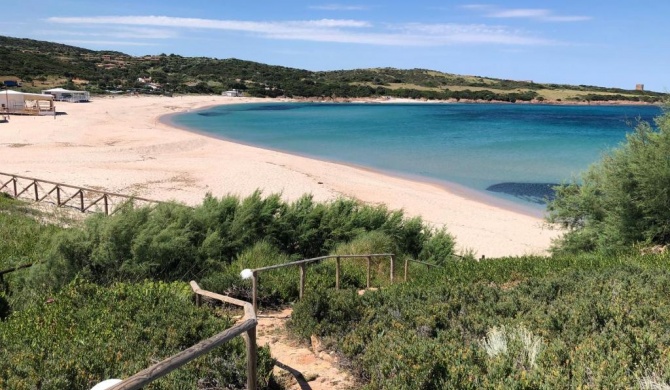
column 120, row 145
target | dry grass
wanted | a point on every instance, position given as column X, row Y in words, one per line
column 547, row 94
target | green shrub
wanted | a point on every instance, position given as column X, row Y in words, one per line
column 88, row 333
column 326, row 312
column 24, row 234
column 621, row 200
column 174, row 242
column 274, row 286
column 590, row 321
column 439, row 248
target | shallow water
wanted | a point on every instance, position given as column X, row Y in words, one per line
column 515, row 151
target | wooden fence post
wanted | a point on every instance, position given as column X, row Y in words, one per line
column 81, row 200
column 406, row 267
column 106, row 204
column 368, row 276
column 302, row 280
column 254, row 291
column 252, row 359
column 58, row 196
column 392, row 265
column 37, row 196
column 337, row 273
column 15, row 190
column 198, row 300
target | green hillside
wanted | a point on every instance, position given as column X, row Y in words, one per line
column 40, row 65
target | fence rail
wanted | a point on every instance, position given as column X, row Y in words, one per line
column 10, row 270
column 65, row 195
column 246, row 326
column 302, row 263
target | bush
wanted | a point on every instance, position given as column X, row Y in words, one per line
column 439, row 248
column 174, row 242
column 274, row 287
column 88, row 333
column 591, row 321
column 621, row 200
column 326, row 312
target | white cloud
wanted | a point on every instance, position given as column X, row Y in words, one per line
column 525, row 13
column 471, row 33
column 322, row 30
column 122, row 32
column 169, row 21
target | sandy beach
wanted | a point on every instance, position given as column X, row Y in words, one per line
column 120, row 145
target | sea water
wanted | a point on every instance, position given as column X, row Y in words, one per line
column 513, row 151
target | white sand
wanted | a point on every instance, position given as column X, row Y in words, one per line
column 118, row 144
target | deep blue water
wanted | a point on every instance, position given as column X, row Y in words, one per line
column 509, row 150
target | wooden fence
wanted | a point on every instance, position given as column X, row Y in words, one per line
column 246, row 326
column 10, row 270
column 301, row 264
column 64, row 195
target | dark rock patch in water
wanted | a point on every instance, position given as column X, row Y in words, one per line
column 213, row 113
column 538, row 193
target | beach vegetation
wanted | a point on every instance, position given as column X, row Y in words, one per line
column 620, row 202
column 108, row 297
column 86, row 333
column 213, row 242
column 569, row 321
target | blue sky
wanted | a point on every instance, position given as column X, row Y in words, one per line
column 612, row 43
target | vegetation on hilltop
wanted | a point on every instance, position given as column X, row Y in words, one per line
column 43, row 64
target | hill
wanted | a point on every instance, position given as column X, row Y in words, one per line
column 40, row 65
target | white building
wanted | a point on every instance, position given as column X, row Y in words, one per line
column 14, row 102
column 232, row 93
column 65, row 95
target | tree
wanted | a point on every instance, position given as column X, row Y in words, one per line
column 622, row 200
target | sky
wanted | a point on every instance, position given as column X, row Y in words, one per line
column 615, row 43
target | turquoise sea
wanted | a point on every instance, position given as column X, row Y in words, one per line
column 511, row 151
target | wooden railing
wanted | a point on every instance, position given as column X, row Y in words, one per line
column 64, row 195
column 246, row 327
column 301, row 264
column 10, row 270
column 408, row 260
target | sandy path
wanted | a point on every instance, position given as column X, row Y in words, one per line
column 120, row 145
column 298, row 367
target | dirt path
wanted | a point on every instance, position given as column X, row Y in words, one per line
column 298, row 367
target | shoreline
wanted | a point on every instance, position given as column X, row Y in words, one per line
column 122, row 144
column 448, row 186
